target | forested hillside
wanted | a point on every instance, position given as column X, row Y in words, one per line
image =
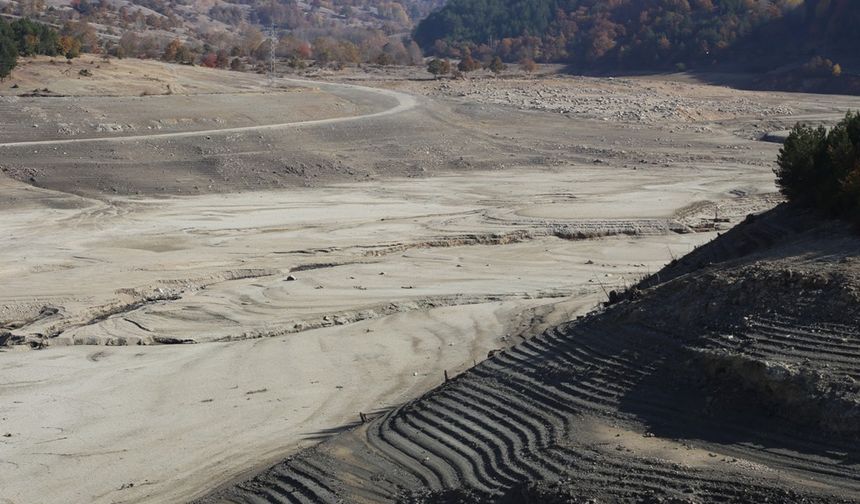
column 645, row 34
column 23, row 37
column 236, row 32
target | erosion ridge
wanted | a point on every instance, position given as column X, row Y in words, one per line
column 731, row 375
column 51, row 323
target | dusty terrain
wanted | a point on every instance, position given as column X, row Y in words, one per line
column 729, row 376
column 342, row 246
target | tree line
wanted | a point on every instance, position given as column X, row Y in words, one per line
column 643, row 34
column 24, row 37
column 237, row 32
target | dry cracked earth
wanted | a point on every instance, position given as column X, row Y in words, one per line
column 206, row 276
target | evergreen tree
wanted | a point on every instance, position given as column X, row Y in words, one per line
column 821, row 169
column 439, row 67
column 35, row 38
column 8, row 50
column 496, row 66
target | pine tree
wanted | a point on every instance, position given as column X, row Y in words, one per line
column 8, row 50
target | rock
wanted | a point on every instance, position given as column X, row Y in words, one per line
column 291, row 278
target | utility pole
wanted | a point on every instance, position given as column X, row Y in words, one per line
column 272, row 45
column 272, row 55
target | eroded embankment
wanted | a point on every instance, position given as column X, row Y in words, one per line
column 118, row 321
column 730, row 376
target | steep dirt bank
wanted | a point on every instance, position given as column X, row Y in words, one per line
column 731, row 375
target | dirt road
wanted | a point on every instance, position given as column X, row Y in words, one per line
column 373, row 98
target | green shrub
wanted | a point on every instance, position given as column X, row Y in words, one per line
column 821, row 169
column 798, row 160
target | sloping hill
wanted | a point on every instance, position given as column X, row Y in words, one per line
column 235, row 34
column 729, row 376
column 647, row 34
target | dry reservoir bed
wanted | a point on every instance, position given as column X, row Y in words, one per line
column 188, row 341
column 393, row 283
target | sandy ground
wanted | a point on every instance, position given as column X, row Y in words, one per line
column 438, row 305
column 157, row 424
column 364, row 273
column 728, row 376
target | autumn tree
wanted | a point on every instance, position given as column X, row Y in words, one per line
column 468, row 64
column 172, row 50
column 324, row 49
column 384, row 60
column 251, row 39
column 85, row 34
column 209, row 60
column 347, row 52
column 289, row 46
column 222, row 58
column 528, row 65
column 70, row 47
column 128, row 44
column 836, row 71
column 396, row 52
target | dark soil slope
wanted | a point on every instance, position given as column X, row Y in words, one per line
column 733, row 375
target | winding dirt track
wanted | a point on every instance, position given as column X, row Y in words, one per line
column 404, row 102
